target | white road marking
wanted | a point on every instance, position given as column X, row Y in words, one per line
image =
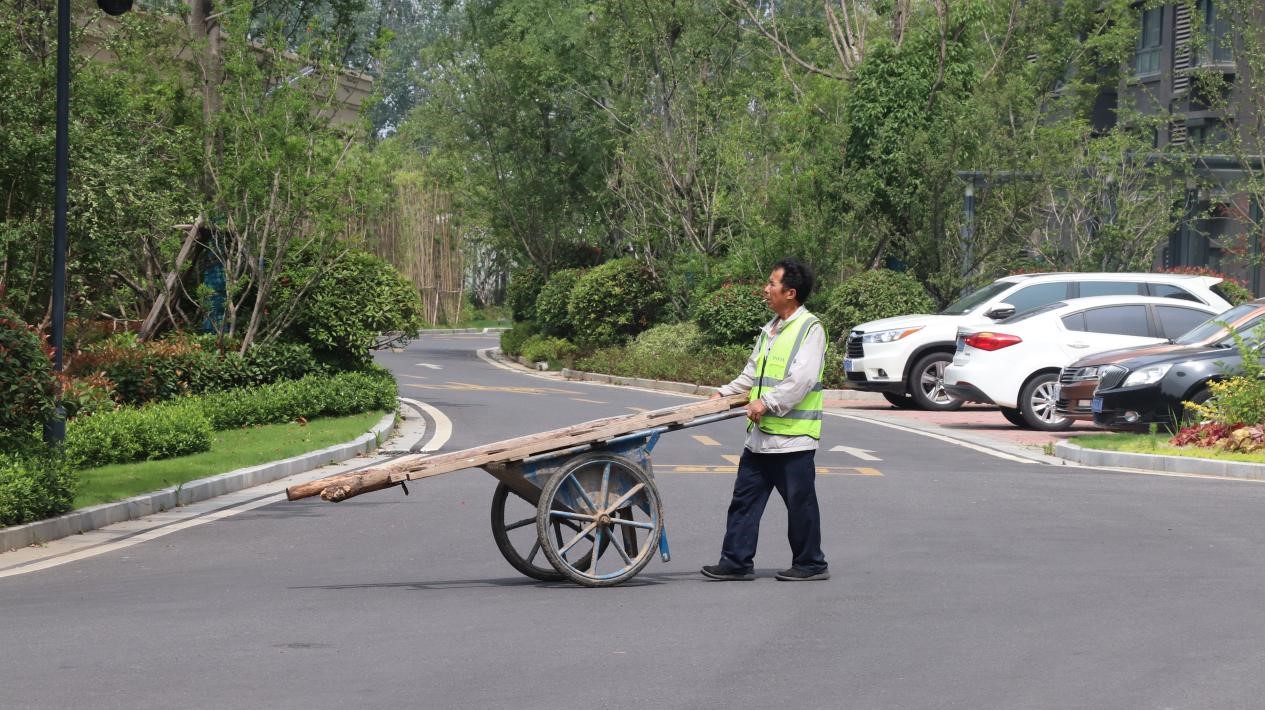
column 941, row 437
column 427, row 364
column 443, row 425
column 863, row 454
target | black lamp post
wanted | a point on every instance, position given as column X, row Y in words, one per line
column 55, row 429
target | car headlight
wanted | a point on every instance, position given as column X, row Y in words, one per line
column 1147, row 375
column 887, row 336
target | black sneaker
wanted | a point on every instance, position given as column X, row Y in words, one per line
column 796, row 574
column 718, row 572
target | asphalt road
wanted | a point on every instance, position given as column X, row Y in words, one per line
column 961, row 580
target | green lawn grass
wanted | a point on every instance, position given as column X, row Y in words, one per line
column 1158, row 444
column 482, row 323
column 230, row 450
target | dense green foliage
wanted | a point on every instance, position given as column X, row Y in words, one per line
column 292, row 400
column 553, row 301
column 712, row 366
column 732, row 314
column 356, row 299
column 524, row 287
column 512, row 340
column 871, row 295
column 27, row 386
column 668, row 340
column 159, row 431
column 34, row 486
column 613, row 302
column 544, row 348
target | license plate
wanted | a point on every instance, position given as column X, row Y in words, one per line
column 849, row 365
column 1096, row 405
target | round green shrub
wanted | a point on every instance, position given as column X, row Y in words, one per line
column 870, row 295
column 612, row 302
column 732, row 314
column 552, row 302
column 27, row 386
column 512, row 340
column 668, row 339
column 35, row 486
column 357, row 299
column 521, row 292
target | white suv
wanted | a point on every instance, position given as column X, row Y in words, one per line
column 904, row 357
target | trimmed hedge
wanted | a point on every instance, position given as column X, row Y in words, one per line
column 512, row 340
column 129, row 434
column 290, row 400
column 552, row 303
column 542, row 348
column 35, row 486
column 732, row 314
column 713, row 367
column 871, row 295
column 668, row 339
column 613, row 302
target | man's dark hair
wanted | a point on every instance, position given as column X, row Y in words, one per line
column 798, row 276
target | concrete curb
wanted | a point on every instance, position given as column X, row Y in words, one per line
column 99, row 516
column 1156, row 462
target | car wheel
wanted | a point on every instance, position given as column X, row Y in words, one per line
column 900, row 401
column 926, row 385
column 1189, row 417
column 1014, row 416
column 1037, row 404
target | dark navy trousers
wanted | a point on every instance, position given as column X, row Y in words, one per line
column 793, row 475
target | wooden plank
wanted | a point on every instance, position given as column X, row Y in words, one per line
column 343, row 486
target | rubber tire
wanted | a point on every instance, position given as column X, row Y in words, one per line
column 921, row 400
column 1014, row 416
column 900, row 401
column 503, row 543
column 1030, row 417
column 542, row 520
column 1203, row 395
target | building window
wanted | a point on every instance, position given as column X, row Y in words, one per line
column 1147, row 60
column 1218, row 46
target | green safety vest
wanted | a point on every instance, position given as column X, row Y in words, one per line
column 804, row 419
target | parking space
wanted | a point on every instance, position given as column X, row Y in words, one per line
column 972, row 419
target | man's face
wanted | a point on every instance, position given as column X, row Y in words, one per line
column 776, row 295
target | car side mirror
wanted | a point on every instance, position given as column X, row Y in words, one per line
column 999, row 311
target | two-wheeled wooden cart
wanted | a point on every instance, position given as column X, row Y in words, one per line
column 598, row 517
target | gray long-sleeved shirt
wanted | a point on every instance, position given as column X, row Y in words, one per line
column 801, row 377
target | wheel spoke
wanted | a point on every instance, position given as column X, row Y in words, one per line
column 584, row 495
column 619, row 549
column 597, row 549
column 519, row 524
column 584, row 534
column 606, row 481
column 624, row 498
column 632, row 523
column 570, row 516
column 535, row 550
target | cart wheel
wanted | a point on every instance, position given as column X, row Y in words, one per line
column 521, row 518
column 616, row 504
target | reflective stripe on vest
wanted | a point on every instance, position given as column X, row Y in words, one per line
column 804, row 419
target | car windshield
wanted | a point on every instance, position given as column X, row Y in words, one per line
column 1033, row 312
column 1214, row 325
column 1252, row 332
column 972, row 300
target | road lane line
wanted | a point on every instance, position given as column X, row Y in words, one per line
column 731, row 458
column 947, row 439
column 590, row 401
column 710, row 468
column 443, row 425
column 705, row 440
